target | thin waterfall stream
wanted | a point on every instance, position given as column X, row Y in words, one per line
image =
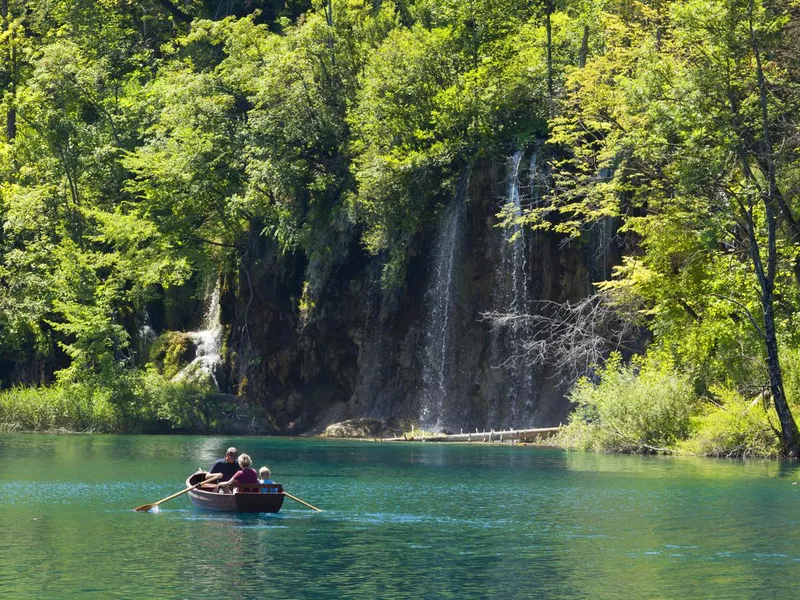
column 208, row 344
column 513, row 276
column 513, row 296
column 438, row 356
column 145, row 337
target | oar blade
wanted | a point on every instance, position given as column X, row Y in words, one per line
column 303, row 502
column 144, row 507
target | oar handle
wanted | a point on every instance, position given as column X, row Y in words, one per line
column 147, row 507
column 296, row 499
column 214, row 477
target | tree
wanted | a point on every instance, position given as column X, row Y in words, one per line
column 672, row 130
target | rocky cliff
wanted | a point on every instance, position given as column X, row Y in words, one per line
column 420, row 353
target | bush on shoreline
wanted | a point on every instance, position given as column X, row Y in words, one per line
column 647, row 406
column 733, row 428
column 73, row 408
column 134, row 402
column 641, row 407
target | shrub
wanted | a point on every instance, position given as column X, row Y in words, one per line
column 133, row 401
column 790, row 365
column 734, row 427
column 182, row 405
column 641, row 407
column 60, row 407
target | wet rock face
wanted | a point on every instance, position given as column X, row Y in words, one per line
column 360, row 353
column 354, row 428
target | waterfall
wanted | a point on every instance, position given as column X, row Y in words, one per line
column 145, row 336
column 438, row 359
column 513, row 276
column 601, row 238
column 537, row 178
column 146, row 331
column 208, row 345
column 512, row 295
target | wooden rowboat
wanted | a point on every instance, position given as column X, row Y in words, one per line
column 248, row 499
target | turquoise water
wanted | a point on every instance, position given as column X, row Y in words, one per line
column 400, row 521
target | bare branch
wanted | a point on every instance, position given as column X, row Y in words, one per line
column 746, row 311
column 573, row 337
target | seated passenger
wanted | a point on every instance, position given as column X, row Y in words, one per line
column 242, row 477
column 264, row 477
column 227, row 466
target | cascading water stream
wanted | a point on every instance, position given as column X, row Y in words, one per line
column 601, row 238
column 514, row 290
column 208, row 345
column 512, row 296
column 145, row 336
column 438, row 360
column 146, row 331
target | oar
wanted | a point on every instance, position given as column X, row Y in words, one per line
column 146, row 507
column 296, row 499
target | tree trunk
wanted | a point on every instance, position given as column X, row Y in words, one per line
column 11, row 114
column 766, row 281
column 176, row 13
column 777, row 197
column 329, row 19
column 584, row 47
column 790, row 439
column 548, row 26
column 789, row 433
column 10, row 77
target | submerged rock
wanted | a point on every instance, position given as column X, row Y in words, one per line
column 354, row 428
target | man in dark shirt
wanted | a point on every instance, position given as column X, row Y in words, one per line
column 228, row 465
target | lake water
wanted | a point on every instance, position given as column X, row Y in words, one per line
column 400, row 521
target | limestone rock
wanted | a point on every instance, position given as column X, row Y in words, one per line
column 354, row 428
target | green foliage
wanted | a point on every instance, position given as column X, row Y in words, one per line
column 467, row 80
column 182, row 406
column 402, row 159
column 648, row 406
column 143, row 153
column 73, row 407
column 642, row 407
column 134, row 402
column 667, row 130
column 146, row 144
column 733, row 427
column 790, row 363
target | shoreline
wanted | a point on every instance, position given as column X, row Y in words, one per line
column 539, row 443
column 546, row 441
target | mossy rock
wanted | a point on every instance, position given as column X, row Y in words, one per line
column 171, row 351
column 354, row 428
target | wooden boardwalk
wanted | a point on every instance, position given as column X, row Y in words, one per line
column 509, row 435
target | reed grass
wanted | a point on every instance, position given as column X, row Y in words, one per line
column 134, row 402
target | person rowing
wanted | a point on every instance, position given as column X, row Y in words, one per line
column 227, row 466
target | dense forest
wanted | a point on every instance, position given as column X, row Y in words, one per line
column 269, row 191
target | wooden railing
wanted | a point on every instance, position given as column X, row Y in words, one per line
column 522, row 435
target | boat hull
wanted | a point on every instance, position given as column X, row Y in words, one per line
column 249, row 502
